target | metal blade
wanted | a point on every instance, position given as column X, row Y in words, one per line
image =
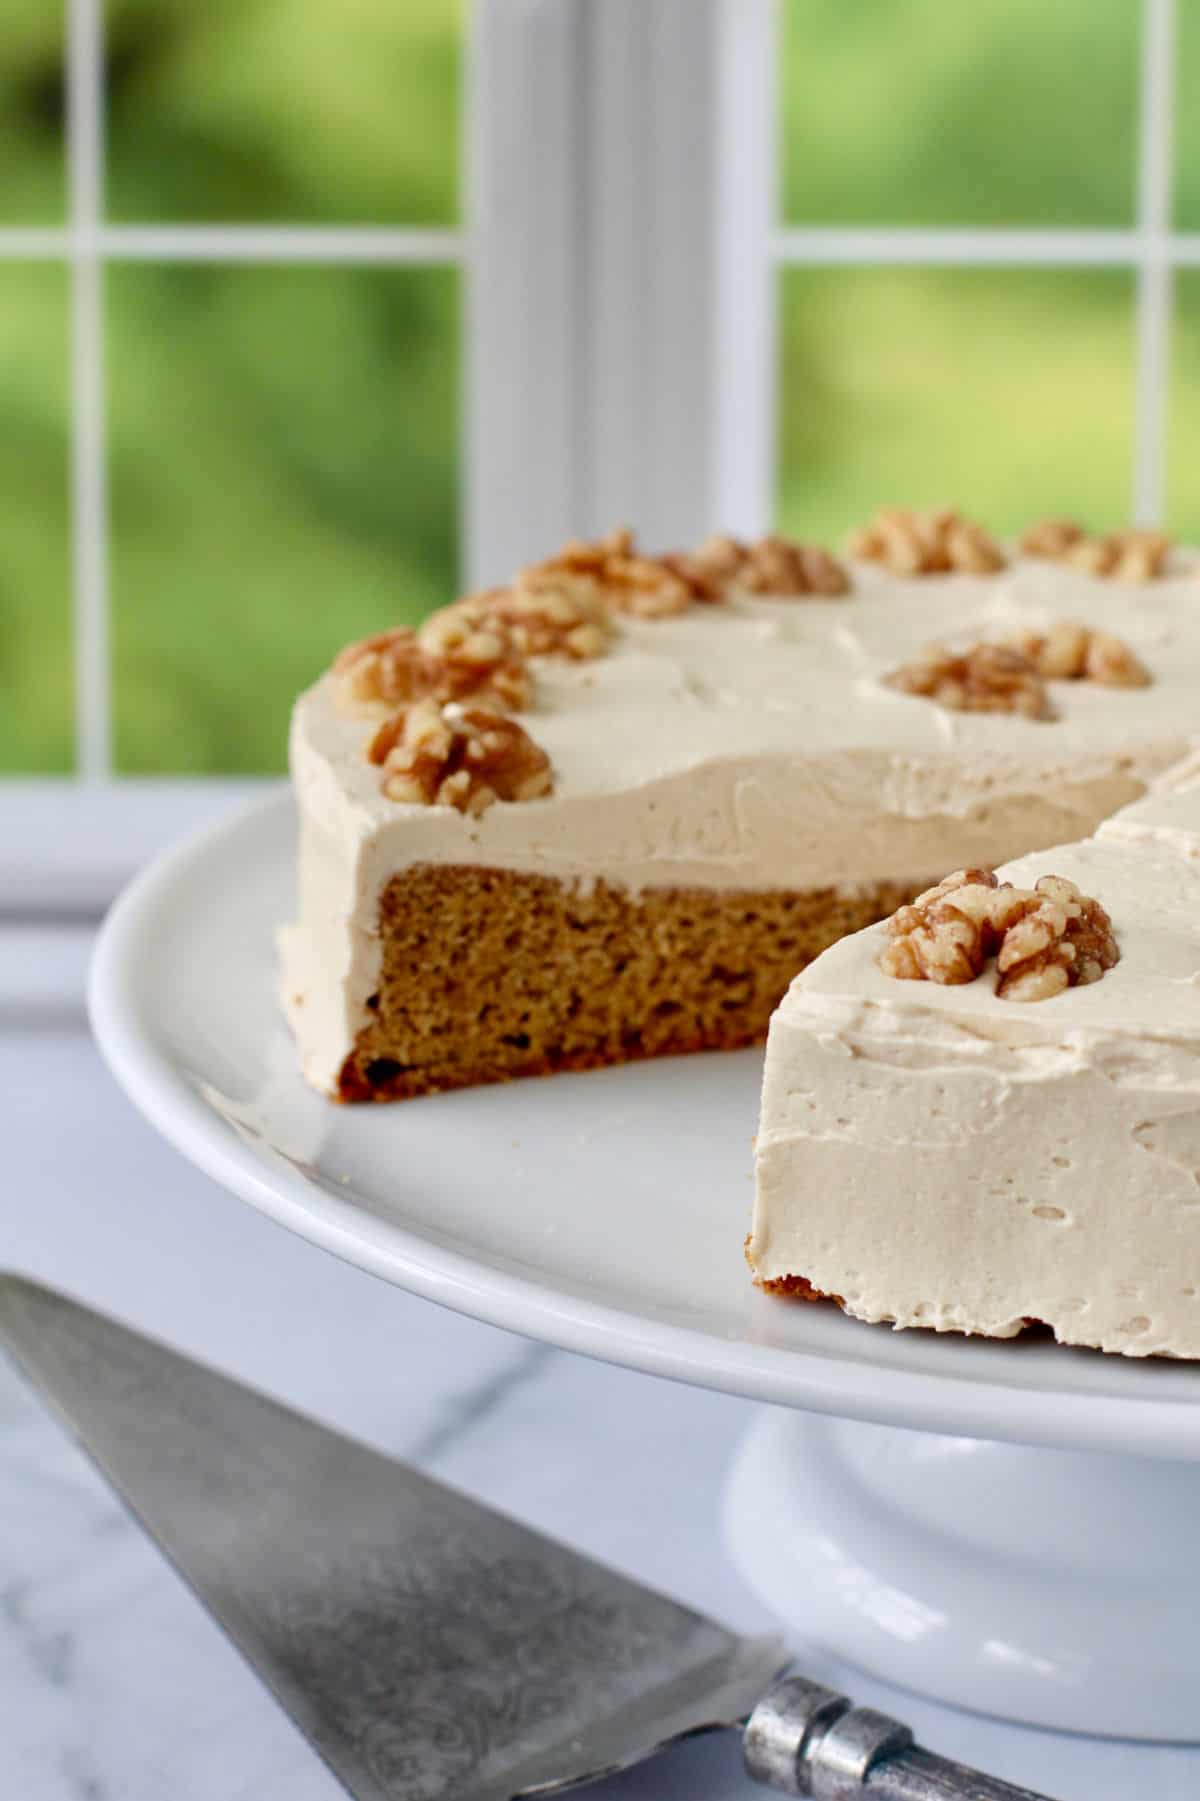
column 425, row 1645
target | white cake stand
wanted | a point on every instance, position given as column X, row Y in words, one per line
column 1004, row 1526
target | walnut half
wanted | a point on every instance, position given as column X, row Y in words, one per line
column 535, row 620
column 931, row 543
column 612, row 570
column 1059, row 938
column 462, row 757
column 946, row 934
column 986, row 678
column 1046, row 939
column 402, row 665
column 626, row 580
column 1134, row 556
column 1068, row 651
column 771, row 565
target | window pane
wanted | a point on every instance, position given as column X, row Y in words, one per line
column 1187, row 125
column 284, row 111
column 32, row 168
column 1006, row 393
column 283, row 447
column 36, row 729
column 1183, row 509
column 1000, row 112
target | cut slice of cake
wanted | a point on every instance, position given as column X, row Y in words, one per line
column 607, row 812
column 979, row 1155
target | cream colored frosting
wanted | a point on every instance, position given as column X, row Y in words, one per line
column 751, row 746
column 940, row 1157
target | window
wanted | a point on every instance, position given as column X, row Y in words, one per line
column 310, row 314
column 230, row 288
column 977, row 258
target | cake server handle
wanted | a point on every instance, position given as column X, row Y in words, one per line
column 809, row 1740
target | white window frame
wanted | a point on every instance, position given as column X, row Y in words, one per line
column 621, row 253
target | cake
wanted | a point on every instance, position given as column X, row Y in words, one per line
column 944, row 1154
column 610, row 810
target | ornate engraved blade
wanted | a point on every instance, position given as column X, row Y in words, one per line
column 425, row 1645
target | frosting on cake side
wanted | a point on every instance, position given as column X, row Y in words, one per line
column 941, row 1157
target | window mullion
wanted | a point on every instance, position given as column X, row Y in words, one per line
column 521, row 318
column 620, row 354
column 1155, row 278
column 745, row 216
column 89, row 526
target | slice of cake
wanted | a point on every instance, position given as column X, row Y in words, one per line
column 608, row 811
column 986, row 1113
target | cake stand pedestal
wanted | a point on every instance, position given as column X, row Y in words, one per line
column 1059, row 1588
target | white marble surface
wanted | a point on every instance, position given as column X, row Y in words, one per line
column 114, row 1686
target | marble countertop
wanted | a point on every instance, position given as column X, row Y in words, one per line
column 114, row 1685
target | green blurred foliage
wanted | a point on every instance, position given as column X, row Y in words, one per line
column 283, row 110
column 35, row 646
column 1187, row 119
column 1183, row 441
column 284, row 441
column 923, row 112
column 283, row 461
column 32, row 164
column 1009, row 392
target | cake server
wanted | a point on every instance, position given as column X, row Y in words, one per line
column 426, row 1646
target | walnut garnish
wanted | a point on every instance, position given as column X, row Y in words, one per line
column 535, row 619
column 1111, row 662
column 611, row 570
column 1051, row 538
column 1131, row 556
column 1069, row 651
column 1061, row 939
column 461, row 757
column 771, row 565
column 1134, row 556
column 945, row 935
column 930, row 543
column 438, row 663
column 704, row 582
column 986, row 678
column 1046, row 938
column 546, row 622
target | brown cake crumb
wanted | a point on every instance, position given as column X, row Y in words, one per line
column 1045, row 938
column 466, row 758
column 936, row 542
column 986, row 678
column 491, row 974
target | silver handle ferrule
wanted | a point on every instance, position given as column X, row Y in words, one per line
column 805, row 1739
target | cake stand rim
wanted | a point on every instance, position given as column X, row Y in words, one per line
column 861, row 1389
